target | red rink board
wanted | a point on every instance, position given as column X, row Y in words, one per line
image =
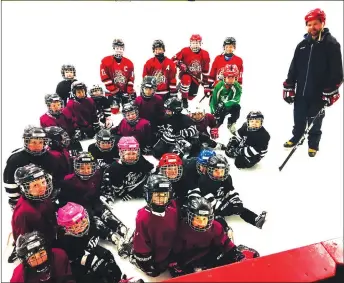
column 306, row 264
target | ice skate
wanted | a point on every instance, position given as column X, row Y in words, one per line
column 312, row 152
column 260, row 220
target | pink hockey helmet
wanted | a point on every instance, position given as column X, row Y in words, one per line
column 74, row 219
column 126, row 144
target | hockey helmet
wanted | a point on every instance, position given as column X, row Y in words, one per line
column 79, row 90
column 68, row 68
column 254, row 120
column 84, row 165
column 74, row 219
column 158, row 44
column 171, row 166
column 229, row 41
column 173, row 106
column 197, row 113
column 158, row 192
column 218, row 168
column 105, row 140
column 316, row 14
column 230, row 71
column 129, row 150
column 200, row 215
column 35, row 184
column 148, row 86
column 96, row 91
column 202, row 160
column 118, row 46
column 195, row 43
column 131, row 113
column 35, row 140
column 58, row 137
column 55, row 104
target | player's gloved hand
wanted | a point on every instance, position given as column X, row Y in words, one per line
column 168, row 138
column 288, row 92
column 330, row 96
column 92, row 243
column 232, row 148
column 146, row 264
column 214, row 133
column 182, row 67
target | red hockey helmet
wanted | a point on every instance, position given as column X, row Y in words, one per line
column 195, row 42
column 231, row 71
column 316, row 14
column 196, row 37
column 171, row 166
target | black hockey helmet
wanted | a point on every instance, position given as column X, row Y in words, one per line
column 150, row 83
column 58, row 137
column 173, row 105
column 160, row 185
column 118, row 46
column 33, row 251
column 27, row 174
column 130, row 107
column 82, row 159
column 158, row 44
column 78, row 85
column 67, row 67
column 105, row 140
column 51, row 98
column 229, row 41
column 37, row 133
column 254, row 115
column 98, row 89
column 200, row 214
column 117, row 42
column 216, row 164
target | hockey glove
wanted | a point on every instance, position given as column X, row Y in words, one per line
column 182, row 67
column 288, row 92
column 248, row 252
column 146, row 264
column 232, row 147
column 330, row 97
column 214, row 133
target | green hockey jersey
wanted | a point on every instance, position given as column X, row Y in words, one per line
column 229, row 96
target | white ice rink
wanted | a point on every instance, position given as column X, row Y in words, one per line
column 304, row 201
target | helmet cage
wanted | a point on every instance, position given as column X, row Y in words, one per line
column 25, row 186
column 191, row 215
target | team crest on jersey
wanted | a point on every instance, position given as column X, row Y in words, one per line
column 119, row 78
column 160, row 77
column 195, row 67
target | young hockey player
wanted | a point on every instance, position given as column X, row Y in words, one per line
column 221, row 62
column 82, row 110
column 34, row 210
column 104, row 150
column 156, row 227
column 250, row 143
column 39, row 262
column 193, row 63
column 177, row 132
column 133, row 125
column 163, row 69
column 34, row 151
column 125, row 178
column 103, row 106
column 226, row 98
column 117, row 74
column 56, row 117
column 81, row 233
column 82, row 186
column 150, row 105
column 202, row 121
column 217, row 187
column 63, row 88
column 201, row 242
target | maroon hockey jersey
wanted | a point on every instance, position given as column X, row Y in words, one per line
column 156, row 233
column 29, row 216
column 191, row 245
column 83, row 112
column 64, row 161
column 60, row 270
column 151, row 109
column 208, row 121
column 47, row 120
column 141, row 131
column 165, row 73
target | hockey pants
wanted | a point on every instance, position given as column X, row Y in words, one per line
column 242, row 161
column 188, row 88
column 234, row 110
column 304, row 112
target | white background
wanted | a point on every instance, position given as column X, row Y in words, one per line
column 304, row 201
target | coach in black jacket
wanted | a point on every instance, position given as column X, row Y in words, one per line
column 316, row 72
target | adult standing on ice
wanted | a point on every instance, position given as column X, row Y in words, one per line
column 317, row 71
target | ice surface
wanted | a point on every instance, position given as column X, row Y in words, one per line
column 304, row 201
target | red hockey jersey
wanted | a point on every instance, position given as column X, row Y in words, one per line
column 165, row 73
column 219, row 65
column 117, row 76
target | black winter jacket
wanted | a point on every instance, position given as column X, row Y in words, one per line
column 316, row 65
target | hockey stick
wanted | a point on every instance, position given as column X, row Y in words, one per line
column 302, row 139
column 106, row 204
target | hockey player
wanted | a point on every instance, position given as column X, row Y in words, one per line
column 250, row 143
column 58, row 147
column 163, row 69
column 34, row 151
column 217, row 187
column 81, row 233
column 82, row 186
column 202, row 121
column 82, row 110
column 193, row 63
column 103, row 106
column 56, row 117
column 201, row 242
column 125, row 179
column 133, row 125
column 221, row 62
column 39, row 262
column 117, row 73
column 150, row 105
column 156, row 227
column 34, row 210
column 177, row 132
column 104, row 150
column 68, row 73
column 226, row 98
